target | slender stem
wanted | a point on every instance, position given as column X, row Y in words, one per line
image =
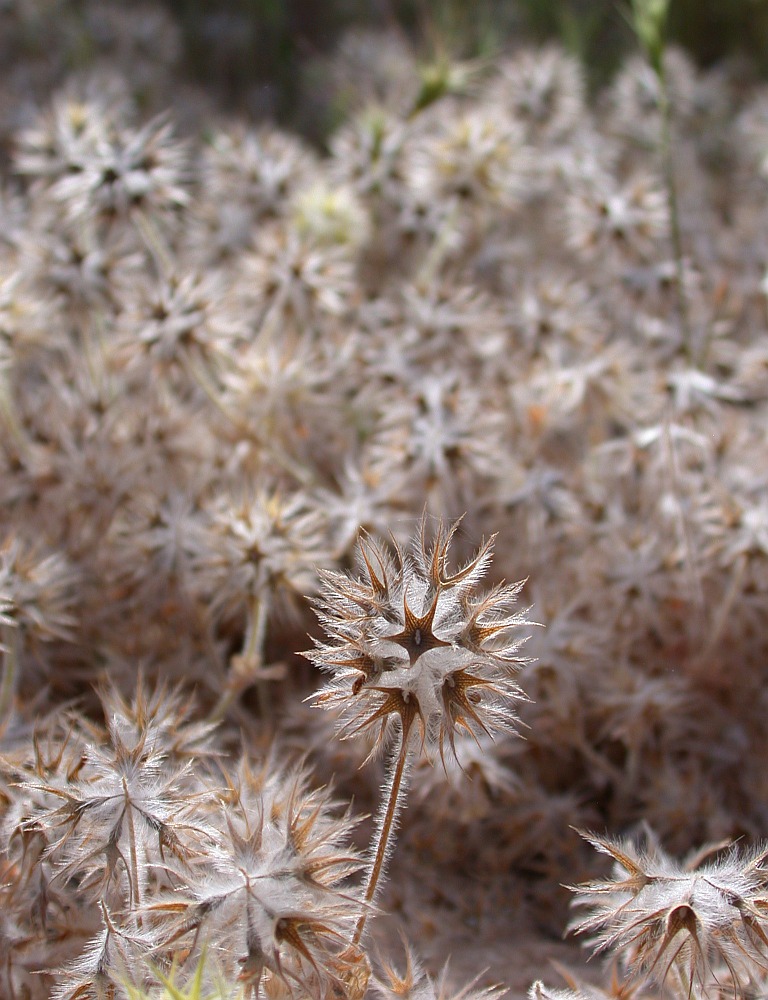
column 11, row 650
column 385, row 829
column 9, row 415
column 154, row 242
column 723, row 612
column 665, row 107
column 246, row 666
column 205, row 381
column 253, row 647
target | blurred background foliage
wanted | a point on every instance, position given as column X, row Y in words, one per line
column 270, row 58
column 239, row 45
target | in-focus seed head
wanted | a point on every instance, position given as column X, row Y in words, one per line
column 411, row 640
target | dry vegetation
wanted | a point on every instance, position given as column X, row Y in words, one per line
column 264, row 410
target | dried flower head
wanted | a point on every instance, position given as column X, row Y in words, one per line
column 98, row 166
column 690, row 922
column 412, row 639
column 37, row 590
column 543, row 89
column 119, row 816
column 269, row 897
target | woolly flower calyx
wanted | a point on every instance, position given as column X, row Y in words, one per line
column 700, row 922
column 270, row 900
column 411, row 640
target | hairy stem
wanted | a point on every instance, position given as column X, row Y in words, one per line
column 396, row 791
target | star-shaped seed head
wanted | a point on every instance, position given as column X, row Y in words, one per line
column 412, row 641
